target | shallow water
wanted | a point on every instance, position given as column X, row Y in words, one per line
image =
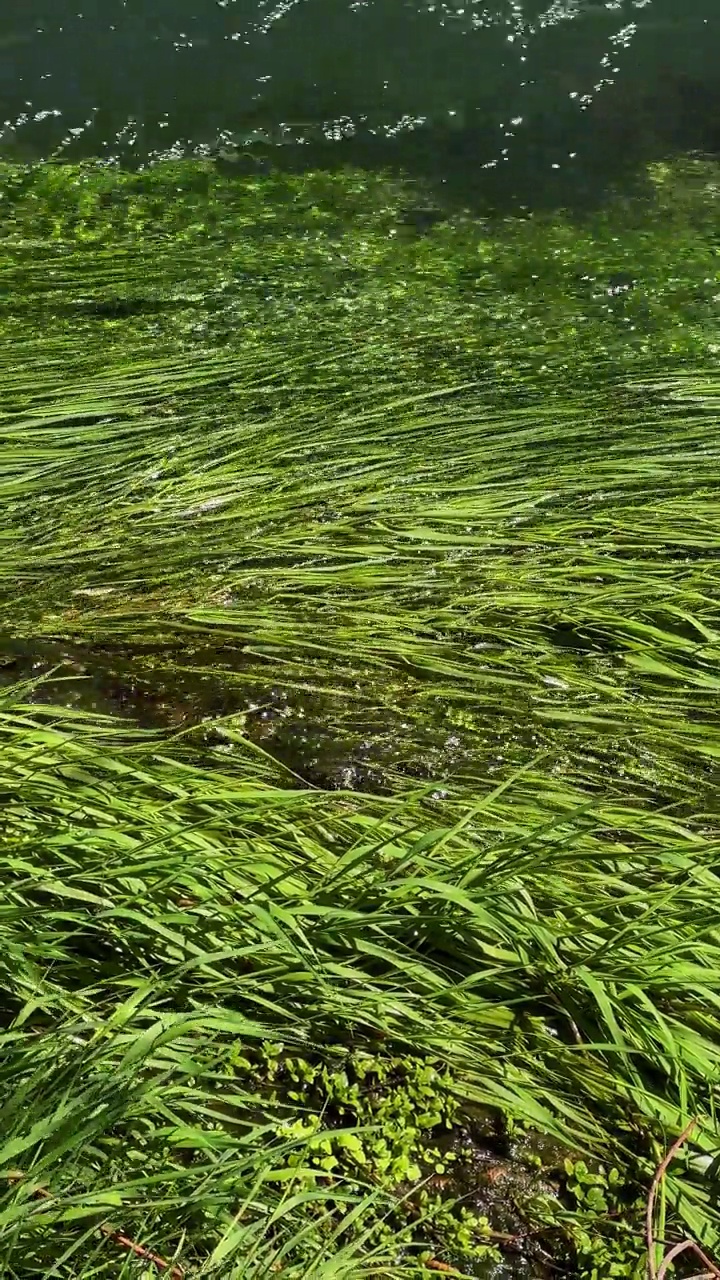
column 531, row 101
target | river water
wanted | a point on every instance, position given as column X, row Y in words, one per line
column 528, row 100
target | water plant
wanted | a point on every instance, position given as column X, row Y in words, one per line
column 224, row 994
column 255, row 1023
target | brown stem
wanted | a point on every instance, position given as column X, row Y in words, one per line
column 118, row 1237
column 683, row 1246
column 650, row 1211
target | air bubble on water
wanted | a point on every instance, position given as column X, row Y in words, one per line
column 554, row 682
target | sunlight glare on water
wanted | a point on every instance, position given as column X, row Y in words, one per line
column 545, row 87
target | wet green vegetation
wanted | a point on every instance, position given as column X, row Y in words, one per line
column 376, row 927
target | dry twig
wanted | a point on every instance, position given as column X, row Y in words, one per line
column 175, row 1272
column 683, row 1246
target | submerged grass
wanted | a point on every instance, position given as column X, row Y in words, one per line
column 464, row 560
column 550, row 570
column 372, row 465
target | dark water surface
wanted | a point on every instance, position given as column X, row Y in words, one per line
column 538, row 101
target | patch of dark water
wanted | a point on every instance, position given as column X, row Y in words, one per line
column 326, row 736
column 529, row 102
column 356, row 733
column 499, row 1178
column 157, row 689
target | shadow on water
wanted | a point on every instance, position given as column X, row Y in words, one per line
column 154, row 688
column 505, row 106
column 560, row 160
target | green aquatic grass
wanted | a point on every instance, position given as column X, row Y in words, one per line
column 163, row 922
column 373, row 466
column 343, row 276
column 554, row 570
column 447, row 502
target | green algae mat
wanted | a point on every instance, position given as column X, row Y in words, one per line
column 358, row 727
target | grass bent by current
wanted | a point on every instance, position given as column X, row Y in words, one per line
column 256, row 1020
